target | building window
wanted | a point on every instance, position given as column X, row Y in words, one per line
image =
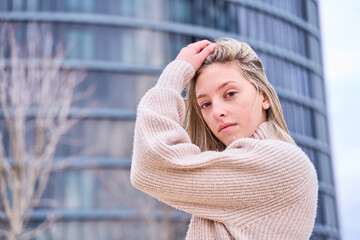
column 115, row 90
column 326, row 168
column 220, row 15
column 311, row 153
column 209, row 14
column 17, row 5
column 242, row 20
column 314, row 49
column 287, row 76
column 109, row 138
column 301, row 36
column 330, row 211
column 181, row 11
column 320, row 213
column 252, row 21
column 79, row 5
column 261, row 27
column 298, row 118
column 231, row 21
column 318, row 87
column 79, row 190
column 80, row 43
column 293, row 7
column 316, row 236
column 321, row 127
column 3, row 6
column 312, row 12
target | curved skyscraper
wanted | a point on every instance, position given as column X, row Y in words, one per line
column 124, row 45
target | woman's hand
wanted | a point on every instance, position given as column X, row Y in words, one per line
column 196, row 53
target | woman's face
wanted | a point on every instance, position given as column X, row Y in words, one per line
column 231, row 106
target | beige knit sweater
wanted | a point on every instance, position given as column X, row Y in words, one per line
column 258, row 188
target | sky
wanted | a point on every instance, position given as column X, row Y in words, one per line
column 340, row 31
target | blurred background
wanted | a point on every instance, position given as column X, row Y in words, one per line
column 309, row 49
column 341, row 51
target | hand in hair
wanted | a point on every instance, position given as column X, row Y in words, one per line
column 196, row 53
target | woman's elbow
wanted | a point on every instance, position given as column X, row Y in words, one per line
column 136, row 178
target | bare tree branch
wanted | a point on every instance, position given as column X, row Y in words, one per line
column 33, row 80
column 39, row 230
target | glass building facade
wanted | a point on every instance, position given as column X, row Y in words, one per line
column 125, row 44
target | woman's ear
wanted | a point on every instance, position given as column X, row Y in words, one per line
column 266, row 102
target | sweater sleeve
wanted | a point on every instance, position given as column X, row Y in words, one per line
column 169, row 167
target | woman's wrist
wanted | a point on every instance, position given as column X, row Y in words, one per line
column 176, row 75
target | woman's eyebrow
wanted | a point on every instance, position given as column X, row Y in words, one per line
column 217, row 89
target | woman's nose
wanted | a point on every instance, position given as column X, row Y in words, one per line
column 218, row 110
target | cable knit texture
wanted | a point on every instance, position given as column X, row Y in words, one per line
column 257, row 188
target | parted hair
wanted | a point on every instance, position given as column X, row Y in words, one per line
column 229, row 50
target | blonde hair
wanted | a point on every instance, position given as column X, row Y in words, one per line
column 230, row 50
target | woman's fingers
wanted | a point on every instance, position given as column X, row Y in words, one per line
column 200, row 45
column 207, row 51
column 196, row 53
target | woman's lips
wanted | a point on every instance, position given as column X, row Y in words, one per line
column 225, row 125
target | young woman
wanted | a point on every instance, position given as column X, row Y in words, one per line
column 236, row 169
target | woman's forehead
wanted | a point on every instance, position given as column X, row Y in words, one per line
column 218, row 75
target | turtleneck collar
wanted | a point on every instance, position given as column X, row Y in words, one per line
column 265, row 131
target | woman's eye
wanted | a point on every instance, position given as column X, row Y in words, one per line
column 230, row 94
column 205, row 105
